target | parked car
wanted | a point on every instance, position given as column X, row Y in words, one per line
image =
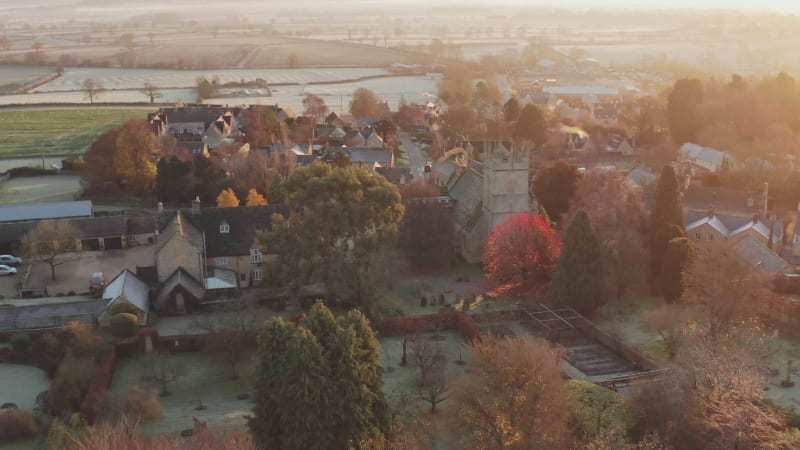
column 7, row 270
column 10, row 260
column 97, row 283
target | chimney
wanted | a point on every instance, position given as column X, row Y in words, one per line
column 160, row 208
column 711, row 211
column 196, row 205
column 756, row 217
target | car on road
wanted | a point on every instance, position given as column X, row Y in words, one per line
column 7, row 270
column 10, row 260
column 428, row 167
column 97, row 283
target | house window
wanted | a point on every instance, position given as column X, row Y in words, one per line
column 697, row 236
column 243, row 277
column 710, row 237
column 221, row 260
column 708, row 251
column 224, row 228
column 255, row 256
column 256, row 275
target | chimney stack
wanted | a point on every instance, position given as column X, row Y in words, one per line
column 160, row 208
column 711, row 211
column 756, row 217
column 196, row 205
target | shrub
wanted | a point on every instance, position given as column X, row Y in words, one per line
column 21, row 344
column 123, row 308
column 124, row 325
column 138, row 403
column 71, row 293
column 16, row 424
column 70, row 384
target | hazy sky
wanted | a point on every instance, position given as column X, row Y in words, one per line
column 785, row 6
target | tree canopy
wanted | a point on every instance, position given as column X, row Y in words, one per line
column 227, row 199
column 683, row 110
column 676, row 259
column 521, row 253
column 319, row 383
column 365, row 103
column 531, row 125
column 578, row 279
column 133, row 162
column 554, row 188
column 255, row 199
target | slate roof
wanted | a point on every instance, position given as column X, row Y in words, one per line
column 394, row 174
column 38, row 211
column 759, row 256
column 721, row 199
column 192, row 114
column 446, row 168
column 183, row 279
column 731, row 225
column 176, row 225
column 131, row 288
column 243, row 222
column 86, row 227
column 467, row 192
column 49, row 315
column 707, row 154
column 369, row 155
column 641, row 177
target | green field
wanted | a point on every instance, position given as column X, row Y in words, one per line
column 58, row 131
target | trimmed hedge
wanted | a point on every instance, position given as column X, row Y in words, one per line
column 450, row 320
column 95, row 397
column 124, row 325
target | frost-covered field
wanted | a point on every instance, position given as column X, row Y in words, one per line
column 135, row 78
column 21, row 384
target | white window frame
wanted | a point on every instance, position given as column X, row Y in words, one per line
column 221, row 260
column 257, row 275
column 710, row 237
column 224, row 228
column 698, row 236
column 255, row 256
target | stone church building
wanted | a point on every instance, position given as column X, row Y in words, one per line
column 487, row 193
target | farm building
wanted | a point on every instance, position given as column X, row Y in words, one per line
column 126, row 288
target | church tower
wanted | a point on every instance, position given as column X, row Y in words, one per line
column 506, row 179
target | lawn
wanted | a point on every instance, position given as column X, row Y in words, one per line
column 203, row 379
column 49, row 188
column 21, row 384
column 58, row 131
column 623, row 320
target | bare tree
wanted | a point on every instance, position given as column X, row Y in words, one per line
column 434, row 387
column 92, row 89
column 48, row 241
column 231, row 334
column 424, row 358
column 151, row 91
column 670, row 322
column 164, row 370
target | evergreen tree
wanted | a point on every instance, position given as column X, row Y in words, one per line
column 578, row 280
column 531, row 125
column 676, row 258
column 276, row 193
column 667, row 203
column 318, row 384
column 659, row 243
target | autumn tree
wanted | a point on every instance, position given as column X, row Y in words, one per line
column 255, row 199
column 521, row 253
column 724, row 287
column 92, row 89
column 511, row 110
column 531, row 125
column 365, row 103
column 671, row 322
column 151, row 91
column 99, row 158
column 616, row 212
column 426, row 232
column 514, row 397
column 319, row 383
column 133, row 161
column 456, row 86
column 462, row 121
column 554, row 188
column 261, row 125
column 683, row 110
column 578, row 279
column 48, row 241
column 227, row 199
column 676, row 258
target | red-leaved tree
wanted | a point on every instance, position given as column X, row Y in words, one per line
column 521, row 254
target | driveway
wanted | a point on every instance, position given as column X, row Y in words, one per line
column 74, row 273
column 415, row 159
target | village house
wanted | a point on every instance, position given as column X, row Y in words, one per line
column 618, row 145
column 698, row 159
column 605, row 113
column 752, row 237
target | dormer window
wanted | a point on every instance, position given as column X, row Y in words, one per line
column 224, row 228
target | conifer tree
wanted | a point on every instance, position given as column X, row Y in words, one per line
column 676, row 259
column 578, row 280
column 667, row 203
column 318, row 384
